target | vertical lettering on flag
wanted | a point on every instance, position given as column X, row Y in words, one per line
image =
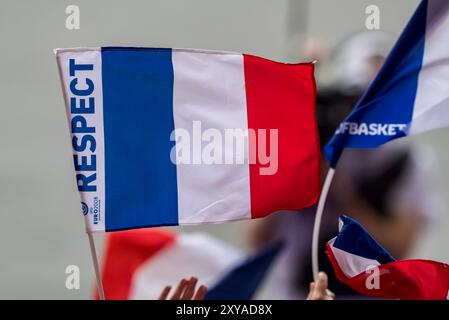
column 81, row 78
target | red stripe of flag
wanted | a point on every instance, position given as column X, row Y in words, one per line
column 415, row 279
column 125, row 253
column 282, row 96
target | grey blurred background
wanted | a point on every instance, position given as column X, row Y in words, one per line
column 41, row 226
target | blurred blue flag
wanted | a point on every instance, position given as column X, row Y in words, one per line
column 242, row 282
column 409, row 95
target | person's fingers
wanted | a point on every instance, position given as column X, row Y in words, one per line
column 311, row 291
column 321, row 283
column 165, row 293
column 201, row 293
column 330, row 295
column 179, row 290
column 190, row 289
column 185, row 291
column 318, row 290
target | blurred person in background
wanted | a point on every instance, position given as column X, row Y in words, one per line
column 386, row 189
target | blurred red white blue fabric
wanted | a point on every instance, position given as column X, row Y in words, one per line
column 366, row 267
column 243, row 281
column 138, row 264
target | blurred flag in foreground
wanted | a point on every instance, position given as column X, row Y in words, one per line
column 138, row 264
column 410, row 94
column 180, row 136
column 242, row 282
column 366, row 267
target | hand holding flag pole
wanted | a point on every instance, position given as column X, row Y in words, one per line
column 403, row 99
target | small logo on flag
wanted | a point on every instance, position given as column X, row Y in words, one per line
column 85, row 208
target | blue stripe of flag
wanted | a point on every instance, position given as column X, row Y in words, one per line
column 140, row 179
column 354, row 238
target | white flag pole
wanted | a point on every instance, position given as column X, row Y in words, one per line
column 97, row 269
column 317, row 224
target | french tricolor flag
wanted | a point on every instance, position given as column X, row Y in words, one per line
column 181, row 136
column 366, row 267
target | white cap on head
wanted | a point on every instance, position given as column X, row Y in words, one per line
column 356, row 61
